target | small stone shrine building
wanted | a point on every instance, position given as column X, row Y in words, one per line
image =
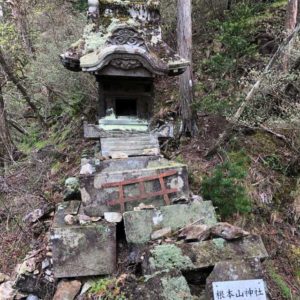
column 122, row 46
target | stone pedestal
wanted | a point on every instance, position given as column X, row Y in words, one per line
column 82, row 250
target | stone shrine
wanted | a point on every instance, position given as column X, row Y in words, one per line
column 128, row 179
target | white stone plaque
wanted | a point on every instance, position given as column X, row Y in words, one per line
column 240, row 289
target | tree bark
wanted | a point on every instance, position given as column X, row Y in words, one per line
column 19, row 14
column 184, row 40
column 291, row 16
column 290, row 24
column 13, row 78
column 7, row 147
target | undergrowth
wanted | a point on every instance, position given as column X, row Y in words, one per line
column 225, row 186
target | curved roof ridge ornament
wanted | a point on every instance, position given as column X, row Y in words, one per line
column 122, row 29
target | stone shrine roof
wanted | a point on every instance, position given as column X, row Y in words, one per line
column 125, row 35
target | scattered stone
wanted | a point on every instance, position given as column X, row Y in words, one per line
column 195, row 233
column 3, row 277
column 234, row 270
column 7, row 291
column 180, row 200
column 139, row 225
column 67, row 290
column 87, row 169
column 196, row 198
column 200, row 255
column 113, row 217
column 28, row 265
column 71, row 220
column 36, row 272
column 161, row 233
column 45, row 263
column 20, row 296
column 228, row 231
column 84, row 219
column 38, row 214
column 48, row 272
column 32, row 297
column 96, row 219
column 72, row 189
column 86, row 286
column 142, row 206
column 30, row 284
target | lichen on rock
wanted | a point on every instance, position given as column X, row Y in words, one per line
column 169, row 257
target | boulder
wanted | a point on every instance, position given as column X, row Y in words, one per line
column 3, row 277
column 161, row 233
column 31, row 284
column 227, row 231
column 113, row 217
column 195, row 233
column 7, row 291
column 38, row 214
column 67, row 290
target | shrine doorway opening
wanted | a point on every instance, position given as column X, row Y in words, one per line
column 126, row 107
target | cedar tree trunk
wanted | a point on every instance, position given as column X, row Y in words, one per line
column 184, row 41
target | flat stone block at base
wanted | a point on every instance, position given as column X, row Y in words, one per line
column 139, row 225
column 84, row 250
column 197, row 256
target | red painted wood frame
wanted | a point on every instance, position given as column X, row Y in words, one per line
column 164, row 191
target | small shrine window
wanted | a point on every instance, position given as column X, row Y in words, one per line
column 126, row 107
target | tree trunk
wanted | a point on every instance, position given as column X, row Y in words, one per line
column 12, row 77
column 6, row 145
column 184, row 41
column 291, row 16
column 19, row 14
column 290, row 24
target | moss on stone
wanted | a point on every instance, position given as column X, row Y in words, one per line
column 169, row 257
column 175, row 288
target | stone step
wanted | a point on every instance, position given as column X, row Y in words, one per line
column 133, row 146
column 139, row 225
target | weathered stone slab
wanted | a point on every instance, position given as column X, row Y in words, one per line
column 196, row 256
column 234, row 270
column 92, row 131
column 139, row 225
column 82, row 250
column 101, row 191
column 135, row 146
